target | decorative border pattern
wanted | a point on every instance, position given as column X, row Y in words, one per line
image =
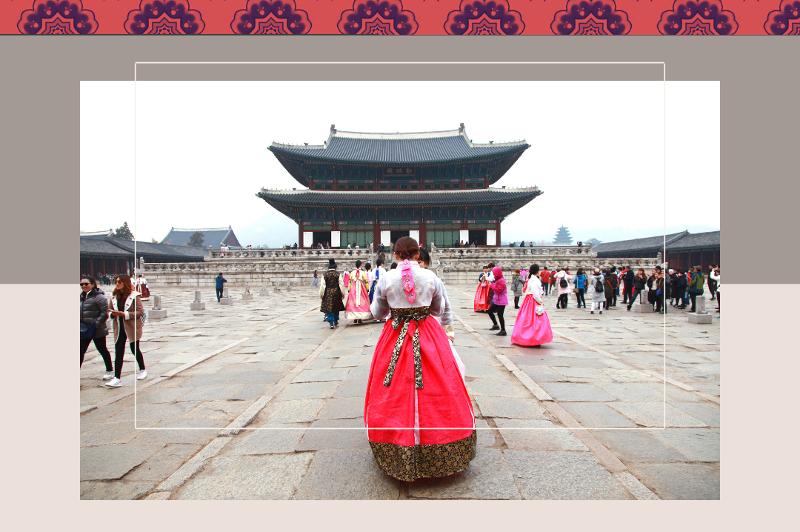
column 401, row 17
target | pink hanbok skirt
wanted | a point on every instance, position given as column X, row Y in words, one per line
column 530, row 329
column 354, row 310
column 397, row 415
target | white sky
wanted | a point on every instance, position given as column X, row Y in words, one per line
column 596, row 150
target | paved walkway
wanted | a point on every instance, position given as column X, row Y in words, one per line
column 261, row 400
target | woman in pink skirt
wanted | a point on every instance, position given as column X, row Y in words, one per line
column 481, row 301
column 532, row 327
column 355, row 286
column 417, row 410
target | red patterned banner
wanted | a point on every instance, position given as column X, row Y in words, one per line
column 401, row 17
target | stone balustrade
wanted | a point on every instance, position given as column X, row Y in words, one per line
column 275, row 268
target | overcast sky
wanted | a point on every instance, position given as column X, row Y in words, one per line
column 596, row 150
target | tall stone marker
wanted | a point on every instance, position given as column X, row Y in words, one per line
column 700, row 315
column 197, row 304
column 157, row 313
column 226, row 298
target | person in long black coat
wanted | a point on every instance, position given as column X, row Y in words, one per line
column 332, row 301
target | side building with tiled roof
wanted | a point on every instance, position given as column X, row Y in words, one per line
column 211, row 238
column 680, row 250
column 377, row 187
column 102, row 253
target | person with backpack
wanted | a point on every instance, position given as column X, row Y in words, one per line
column 597, row 288
column 563, row 279
column 696, row 286
column 581, row 282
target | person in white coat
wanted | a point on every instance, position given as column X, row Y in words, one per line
column 597, row 289
column 564, row 287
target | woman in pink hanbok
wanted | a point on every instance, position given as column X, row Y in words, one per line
column 417, row 411
column 532, row 327
column 356, row 290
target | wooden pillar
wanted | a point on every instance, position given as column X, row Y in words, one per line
column 497, row 226
column 376, row 231
column 300, row 234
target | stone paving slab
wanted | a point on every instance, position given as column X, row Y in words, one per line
column 310, row 390
column 320, row 375
column 295, row 411
column 651, row 414
column 488, row 477
column 120, row 489
column 349, row 474
column 563, row 391
column 502, row 407
column 111, row 462
column 264, row 477
column 681, row 481
column 562, row 475
column 597, row 415
column 696, row 445
column 638, row 446
column 342, row 408
column 318, row 436
column 268, row 440
column 537, row 435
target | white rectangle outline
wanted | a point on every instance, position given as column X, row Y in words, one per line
column 664, row 245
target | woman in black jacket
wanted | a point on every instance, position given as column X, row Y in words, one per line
column 94, row 313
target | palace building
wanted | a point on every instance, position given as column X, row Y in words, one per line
column 367, row 188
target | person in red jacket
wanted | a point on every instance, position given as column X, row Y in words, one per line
column 545, row 278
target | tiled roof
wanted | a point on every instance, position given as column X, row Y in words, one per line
column 120, row 247
column 695, row 241
column 674, row 242
column 93, row 245
column 161, row 250
column 638, row 244
column 211, row 237
column 491, row 196
column 399, row 148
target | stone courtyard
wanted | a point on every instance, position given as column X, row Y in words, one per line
column 261, row 400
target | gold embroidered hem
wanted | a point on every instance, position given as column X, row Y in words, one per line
column 412, row 462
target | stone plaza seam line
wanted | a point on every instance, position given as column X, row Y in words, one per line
column 604, row 456
column 171, row 373
column 617, row 363
column 667, row 380
column 197, row 462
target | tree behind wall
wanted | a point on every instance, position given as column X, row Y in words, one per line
column 124, row 232
column 562, row 236
column 196, row 240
